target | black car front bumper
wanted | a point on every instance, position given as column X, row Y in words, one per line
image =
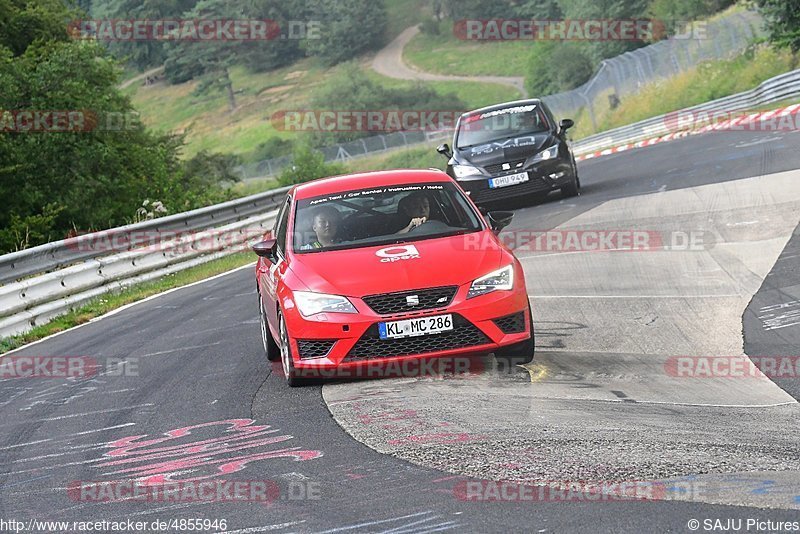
column 542, row 178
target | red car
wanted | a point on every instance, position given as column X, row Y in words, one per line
column 384, row 267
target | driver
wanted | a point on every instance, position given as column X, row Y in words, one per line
column 326, row 227
column 416, row 207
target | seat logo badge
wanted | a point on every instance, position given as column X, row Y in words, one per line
column 412, row 300
column 397, row 253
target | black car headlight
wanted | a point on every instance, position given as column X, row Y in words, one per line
column 462, row 171
column 547, row 153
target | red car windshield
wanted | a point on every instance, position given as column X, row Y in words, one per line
column 382, row 215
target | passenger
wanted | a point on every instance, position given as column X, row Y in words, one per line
column 326, row 227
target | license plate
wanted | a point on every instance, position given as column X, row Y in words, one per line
column 416, row 327
column 505, row 181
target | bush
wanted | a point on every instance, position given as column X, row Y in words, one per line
column 351, row 89
column 431, row 27
column 685, row 10
column 274, row 147
column 556, row 67
column 307, row 164
column 348, row 28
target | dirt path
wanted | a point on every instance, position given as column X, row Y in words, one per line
column 128, row 83
column 389, row 62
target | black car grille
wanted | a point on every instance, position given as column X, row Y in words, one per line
column 497, row 168
column 534, row 185
column 511, row 324
column 463, row 335
column 314, row 348
column 391, row 303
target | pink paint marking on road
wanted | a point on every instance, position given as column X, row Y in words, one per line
column 161, row 464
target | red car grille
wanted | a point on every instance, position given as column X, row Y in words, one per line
column 409, row 301
column 463, row 335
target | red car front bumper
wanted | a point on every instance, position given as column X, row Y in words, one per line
column 329, row 341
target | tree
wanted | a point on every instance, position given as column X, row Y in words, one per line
column 53, row 183
column 604, row 10
column 307, row 164
column 149, row 52
column 555, row 67
column 348, row 28
column 783, row 21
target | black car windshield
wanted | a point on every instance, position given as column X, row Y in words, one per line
column 482, row 128
column 381, row 215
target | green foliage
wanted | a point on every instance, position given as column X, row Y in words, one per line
column 556, row 67
column 273, row 147
column 308, row 164
column 685, row 10
column 348, row 28
column 431, row 27
column 55, row 183
column 477, row 9
column 351, row 89
column 22, row 23
column 603, row 10
column 783, row 21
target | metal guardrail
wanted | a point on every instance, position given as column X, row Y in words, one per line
column 33, row 301
column 775, row 89
column 58, row 254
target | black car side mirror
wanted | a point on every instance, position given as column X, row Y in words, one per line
column 566, row 124
column 444, row 149
column 499, row 220
column 266, row 249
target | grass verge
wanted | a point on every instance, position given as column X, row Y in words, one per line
column 708, row 81
column 111, row 301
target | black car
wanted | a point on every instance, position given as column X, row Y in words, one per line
column 511, row 150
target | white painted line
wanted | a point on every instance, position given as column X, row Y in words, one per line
column 59, row 418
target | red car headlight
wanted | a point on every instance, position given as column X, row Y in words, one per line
column 312, row 303
column 501, row 279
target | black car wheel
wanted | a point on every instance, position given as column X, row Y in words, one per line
column 270, row 347
column 573, row 188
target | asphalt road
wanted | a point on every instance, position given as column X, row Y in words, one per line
column 194, row 358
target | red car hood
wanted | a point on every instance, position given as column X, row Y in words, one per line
column 358, row 272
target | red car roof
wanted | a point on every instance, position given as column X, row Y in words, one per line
column 350, row 182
